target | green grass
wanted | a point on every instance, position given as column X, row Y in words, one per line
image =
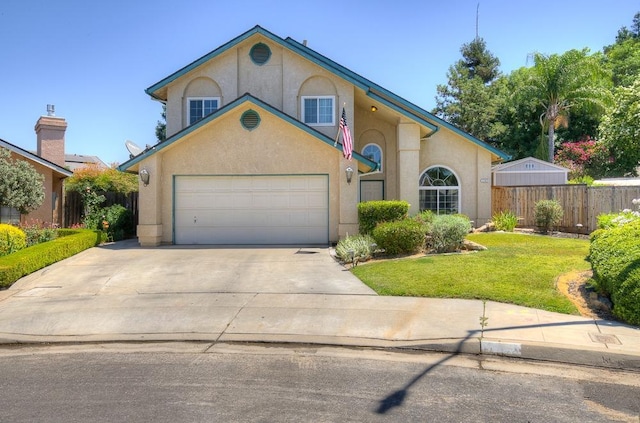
column 516, row 268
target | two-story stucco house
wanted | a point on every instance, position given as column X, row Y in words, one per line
column 251, row 154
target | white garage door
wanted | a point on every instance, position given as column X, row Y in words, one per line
column 261, row 209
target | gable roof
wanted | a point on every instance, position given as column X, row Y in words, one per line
column 371, row 89
column 364, row 165
column 543, row 166
column 35, row 158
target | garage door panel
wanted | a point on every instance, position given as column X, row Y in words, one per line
column 251, row 209
column 270, row 200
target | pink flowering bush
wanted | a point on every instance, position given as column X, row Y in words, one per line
column 586, row 157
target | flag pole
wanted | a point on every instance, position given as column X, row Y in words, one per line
column 338, row 134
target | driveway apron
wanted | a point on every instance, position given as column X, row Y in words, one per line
column 126, row 268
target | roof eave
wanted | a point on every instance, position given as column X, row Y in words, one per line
column 44, row 162
column 373, row 90
column 368, row 165
column 152, row 90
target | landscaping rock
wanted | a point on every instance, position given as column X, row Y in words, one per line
column 472, row 246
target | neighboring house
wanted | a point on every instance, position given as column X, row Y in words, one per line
column 76, row 161
column 49, row 162
column 527, row 172
column 250, row 154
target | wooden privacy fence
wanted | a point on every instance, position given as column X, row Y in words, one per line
column 581, row 204
column 73, row 208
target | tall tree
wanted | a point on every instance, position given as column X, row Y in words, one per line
column 623, row 57
column 519, row 116
column 563, row 82
column 21, row 186
column 469, row 98
column 625, row 33
column 620, row 130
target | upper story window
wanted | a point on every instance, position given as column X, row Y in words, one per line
column 260, row 54
column 373, row 152
column 200, row 107
column 318, row 110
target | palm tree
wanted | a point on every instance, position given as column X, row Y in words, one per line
column 561, row 82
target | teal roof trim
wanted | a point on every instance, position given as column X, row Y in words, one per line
column 393, row 97
column 352, row 77
column 392, row 100
column 255, row 30
column 246, row 98
column 373, row 90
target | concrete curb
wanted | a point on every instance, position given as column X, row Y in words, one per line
column 474, row 346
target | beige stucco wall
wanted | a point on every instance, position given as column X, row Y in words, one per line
column 470, row 163
column 277, row 147
column 280, row 82
column 372, row 129
column 224, row 147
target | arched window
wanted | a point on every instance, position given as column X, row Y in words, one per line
column 439, row 191
column 373, row 152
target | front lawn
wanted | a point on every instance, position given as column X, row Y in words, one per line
column 516, row 268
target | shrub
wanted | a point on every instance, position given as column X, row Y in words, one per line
column 120, row 221
column 586, row 180
column 12, row 239
column 425, row 218
column 400, row 236
column 506, row 220
column 448, row 233
column 370, row 213
column 547, row 214
column 615, row 259
column 612, row 220
column 28, row 260
column 38, row 233
column 361, row 245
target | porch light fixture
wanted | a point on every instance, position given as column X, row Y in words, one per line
column 144, row 177
column 374, row 109
column 349, row 173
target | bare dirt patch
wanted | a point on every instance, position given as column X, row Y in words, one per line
column 574, row 285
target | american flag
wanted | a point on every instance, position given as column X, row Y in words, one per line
column 347, row 142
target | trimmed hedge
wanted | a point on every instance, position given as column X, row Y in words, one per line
column 370, row 213
column 615, row 259
column 31, row 259
column 399, row 237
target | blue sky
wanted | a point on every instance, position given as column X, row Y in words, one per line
column 94, row 59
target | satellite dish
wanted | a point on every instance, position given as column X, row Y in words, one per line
column 133, row 148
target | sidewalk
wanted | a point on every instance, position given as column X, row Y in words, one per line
column 60, row 304
column 349, row 320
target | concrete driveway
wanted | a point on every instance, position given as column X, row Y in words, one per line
column 126, row 268
column 121, row 292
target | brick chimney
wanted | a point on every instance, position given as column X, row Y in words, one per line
column 50, row 135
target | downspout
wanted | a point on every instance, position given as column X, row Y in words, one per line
column 431, row 134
